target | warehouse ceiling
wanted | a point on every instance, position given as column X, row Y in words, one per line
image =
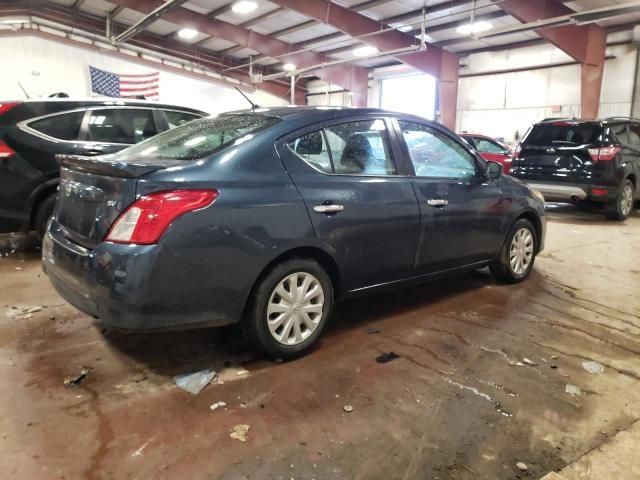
column 443, row 23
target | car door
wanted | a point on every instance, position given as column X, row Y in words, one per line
column 630, row 149
column 461, row 212
column 109, row 130
column 360, row 204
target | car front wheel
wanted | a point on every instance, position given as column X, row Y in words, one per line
column 515, row 261
column 290, row 308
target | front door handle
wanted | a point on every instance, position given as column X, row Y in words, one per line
column 437, row 202
column 328, row 208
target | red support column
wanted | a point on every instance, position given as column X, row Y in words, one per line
column 591, row 73
column 448, row 89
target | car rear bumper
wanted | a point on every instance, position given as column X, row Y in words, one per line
column 122, row 286
column 568, row 192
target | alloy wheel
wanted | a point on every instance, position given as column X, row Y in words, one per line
column 626, row 200
column 295, row 308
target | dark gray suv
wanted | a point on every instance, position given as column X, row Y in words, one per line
column 266, row 217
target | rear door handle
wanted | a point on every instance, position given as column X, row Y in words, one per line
column 437, row 202
column 328, row 208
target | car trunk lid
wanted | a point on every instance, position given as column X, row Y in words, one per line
column 94, row 191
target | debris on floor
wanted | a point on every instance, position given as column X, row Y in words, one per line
column 528, row 361
column 593, row 367
column 242, row 373
column 387, row 357
column 23, row 312
column 522, row 466
column 348, row 408
column 572, row 390
column 240, row 432
column 73, row 382
column 369, row 330
column 215, row 406
column 194, row 382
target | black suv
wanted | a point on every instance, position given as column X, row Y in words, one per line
column 32, row 132
column 594, row 163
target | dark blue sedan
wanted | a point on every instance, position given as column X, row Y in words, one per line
column 266, row 217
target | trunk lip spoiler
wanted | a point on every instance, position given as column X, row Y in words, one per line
column 104, row 166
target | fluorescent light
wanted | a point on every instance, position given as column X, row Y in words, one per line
column 476, row 27
column 244, row 6
column 288, row 67
column 187, row 33
column 13, row 21
column 365, row 51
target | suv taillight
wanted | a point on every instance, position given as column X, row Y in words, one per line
column 146, row 219
column 5, row 107
column 603, row 153
column 516, row 152
column 5, row 150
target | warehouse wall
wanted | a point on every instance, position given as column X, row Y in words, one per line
column 501, row 104
column 46, row 66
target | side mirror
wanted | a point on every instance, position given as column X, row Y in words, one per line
column 494, row 170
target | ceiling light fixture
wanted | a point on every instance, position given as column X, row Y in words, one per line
column 365, row 51
column 475, row 27
column 288, row 67
column 244, row 6
column 187, row 33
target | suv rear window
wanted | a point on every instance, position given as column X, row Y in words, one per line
column 558, row 134
column 200, row 138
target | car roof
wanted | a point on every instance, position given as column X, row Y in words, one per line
column 312, row 114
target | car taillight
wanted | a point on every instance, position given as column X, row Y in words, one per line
column 5, row 107
column 603, row 153
column 5, row 150
column 146, row 219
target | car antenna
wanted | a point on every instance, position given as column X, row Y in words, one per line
column 23, row 90
column 253, row 105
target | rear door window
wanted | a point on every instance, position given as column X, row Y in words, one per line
column 559, row 134
column 312, row 148
column 360, row 148
column 177, row 119
column 633, row 135
column 121, row 125
column 65, row 126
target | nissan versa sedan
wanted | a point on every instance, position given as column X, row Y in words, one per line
column 266, row 217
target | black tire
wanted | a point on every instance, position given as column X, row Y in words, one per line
column 255, row 324
column 44, row 212
column 619, row 210
column 501, row 267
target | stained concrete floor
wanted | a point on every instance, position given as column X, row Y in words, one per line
column 459, row 403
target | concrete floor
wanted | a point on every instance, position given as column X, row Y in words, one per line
column 459, row 403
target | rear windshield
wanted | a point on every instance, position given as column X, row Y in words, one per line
column 563, row 134
column 199, row 138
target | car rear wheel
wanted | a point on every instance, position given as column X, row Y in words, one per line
column 623, row 205
column 290, row 308
column 518, row 253
column 44, row 212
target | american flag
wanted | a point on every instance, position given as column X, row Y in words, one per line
column 126, row 86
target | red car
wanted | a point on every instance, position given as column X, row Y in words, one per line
column 490, row 149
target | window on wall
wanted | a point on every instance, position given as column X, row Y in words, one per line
column 415, row 94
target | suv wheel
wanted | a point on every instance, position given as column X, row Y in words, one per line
column 517, row 255
column 623, row 205
column 290, row 308
column 43, row 213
